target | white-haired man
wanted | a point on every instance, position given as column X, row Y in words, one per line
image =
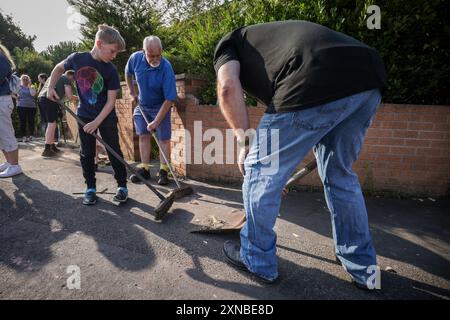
column 157, row 92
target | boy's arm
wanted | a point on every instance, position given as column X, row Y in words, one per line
column 54, row 77
column 91, row 127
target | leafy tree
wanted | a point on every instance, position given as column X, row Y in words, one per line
column 32, row 63
column 60, row 51
column 135, row 19
column 175, row 10
column 12, row 36
column 413, row 39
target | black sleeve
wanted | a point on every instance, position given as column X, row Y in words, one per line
column 225, row 50
column 69, row 63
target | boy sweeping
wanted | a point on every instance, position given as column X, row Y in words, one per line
column 97, row 83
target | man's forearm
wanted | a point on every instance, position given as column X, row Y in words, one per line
column 232, row 106
column 163, row 111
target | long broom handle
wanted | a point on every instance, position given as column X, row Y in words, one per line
column 160, row 149
column 116, row 155
column 310, row 166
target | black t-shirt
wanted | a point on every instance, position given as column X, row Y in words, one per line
column 294, row 65
column 94, row 79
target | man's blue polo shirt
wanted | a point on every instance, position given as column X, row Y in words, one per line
column 155, row 84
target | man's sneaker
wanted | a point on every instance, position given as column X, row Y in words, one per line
column 10, row 171
column 55, row 149
column 143, row 172
column 90, row 197
column 121, row 195
column 4, row 166
column 49, row 153
column 163, row 179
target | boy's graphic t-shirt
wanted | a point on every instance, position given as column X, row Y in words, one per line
column 93, row 79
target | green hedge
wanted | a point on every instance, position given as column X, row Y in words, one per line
column 413, row 39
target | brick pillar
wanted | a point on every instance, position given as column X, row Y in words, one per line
column 129, row 141
column 189, row 84
column 187, row 87
column 72, row 123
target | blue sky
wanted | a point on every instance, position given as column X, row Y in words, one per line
column 51, row 21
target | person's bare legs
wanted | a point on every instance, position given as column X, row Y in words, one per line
column 50, row 133
column 164, row 168
column 165, row 145
column 12, row 157
column 144, row 148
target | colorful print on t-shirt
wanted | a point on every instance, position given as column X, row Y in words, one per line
column 90, row 82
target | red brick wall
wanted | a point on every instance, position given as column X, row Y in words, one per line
column 406, row 150
column 129, row 141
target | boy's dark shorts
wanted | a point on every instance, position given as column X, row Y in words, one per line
column 49, row 109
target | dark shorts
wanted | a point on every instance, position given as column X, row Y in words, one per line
column 49, row 109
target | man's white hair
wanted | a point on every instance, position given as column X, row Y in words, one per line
column 151, row 40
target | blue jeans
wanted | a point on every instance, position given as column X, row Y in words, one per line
column 335, row 131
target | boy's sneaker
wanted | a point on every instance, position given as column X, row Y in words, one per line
column 163, row 179
column 143, row 172
column 121, row 195
column 4, row 166
column 55, row 149
column 90, row 197
column 11, row 171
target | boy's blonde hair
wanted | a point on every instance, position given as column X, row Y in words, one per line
column 109, row 35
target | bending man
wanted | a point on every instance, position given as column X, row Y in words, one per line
column 321, row 89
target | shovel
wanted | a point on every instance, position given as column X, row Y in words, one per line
column 237, row 221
